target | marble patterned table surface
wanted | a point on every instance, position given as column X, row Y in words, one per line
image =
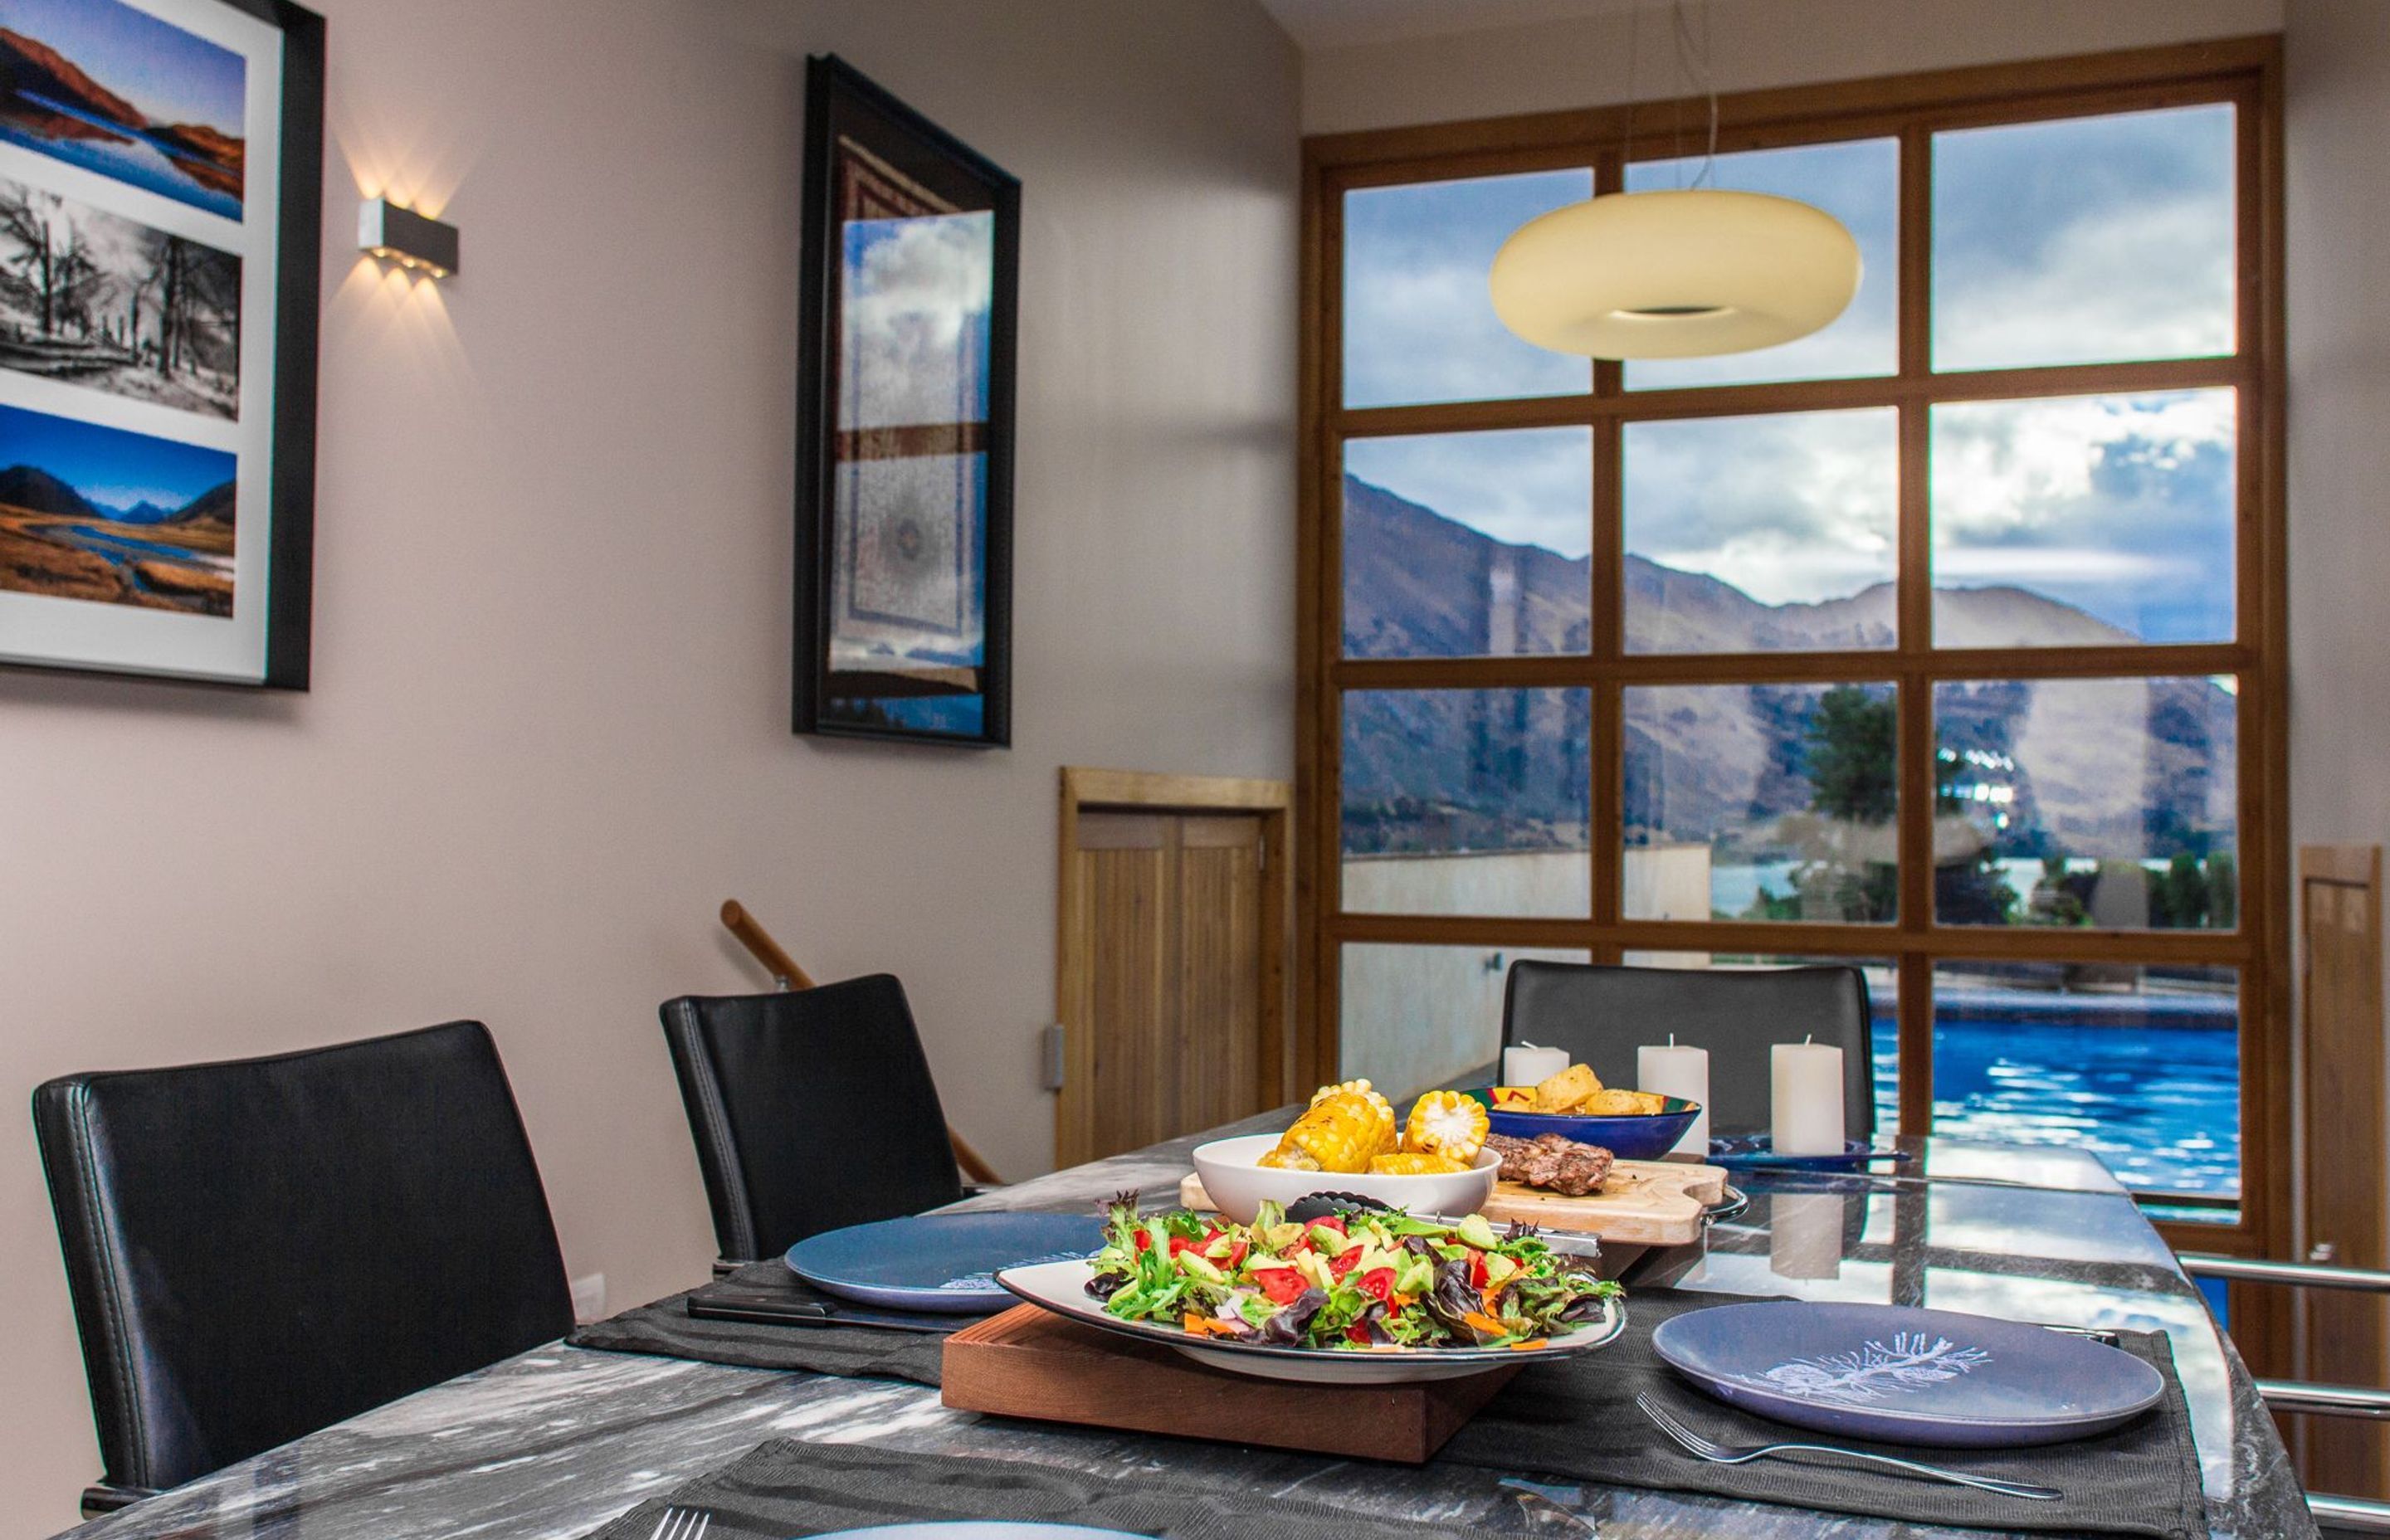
column 552, row 1443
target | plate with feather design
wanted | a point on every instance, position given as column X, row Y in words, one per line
column 1900, row 1375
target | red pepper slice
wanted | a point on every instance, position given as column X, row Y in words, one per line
column 1177, row 1244
column 1283, row 1285
column 1477, row 1271
column 1339, row 1265
column 1377, row 1283
column 1357, row 1334
column 1143, row 1237
column 1237, row 1253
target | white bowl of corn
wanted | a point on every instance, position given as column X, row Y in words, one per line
column 1347, row 1140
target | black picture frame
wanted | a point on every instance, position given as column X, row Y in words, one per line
column 898, row 671
column 273, row 445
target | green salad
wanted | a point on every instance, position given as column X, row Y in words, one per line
column 1354, row 1280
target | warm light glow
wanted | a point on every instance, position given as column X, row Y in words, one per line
column 1674, row 274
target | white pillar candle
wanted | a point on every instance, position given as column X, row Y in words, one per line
column 1525, row 1064
column 1806, row 1105
column 1805, row 1235
column 1679, row 1072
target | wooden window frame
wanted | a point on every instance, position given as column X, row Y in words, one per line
column 2243, row 71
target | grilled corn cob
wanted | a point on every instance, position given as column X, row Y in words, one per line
column 1415, row 1163
column 1346, row 1127
column 1446, row 1123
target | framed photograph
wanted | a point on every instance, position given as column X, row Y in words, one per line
column 160, row 210
column 904, row 582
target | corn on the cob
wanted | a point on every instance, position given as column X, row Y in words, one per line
column 1345, row 1128
column 1447, row 1123
column 1415, row 1163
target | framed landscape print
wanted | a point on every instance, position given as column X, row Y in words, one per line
column 905, row 402
column 161, row 200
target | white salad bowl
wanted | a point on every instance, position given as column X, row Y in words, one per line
column 1237, row 1184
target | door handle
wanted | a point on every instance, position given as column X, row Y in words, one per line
column 2321, row 1252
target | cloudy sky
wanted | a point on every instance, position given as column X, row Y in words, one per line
column 917, row 294
column 2055, row 243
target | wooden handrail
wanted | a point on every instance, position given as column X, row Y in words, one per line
column 786, row 974
column 778, row 963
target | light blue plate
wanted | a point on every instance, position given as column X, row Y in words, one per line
column 940, row 1262
column 980, row 1529
column 1904, row 1376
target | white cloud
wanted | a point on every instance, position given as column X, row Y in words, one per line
column 1791, row 508
column 1529, row 486
column 916, row 308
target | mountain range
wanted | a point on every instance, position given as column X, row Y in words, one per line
column 2124, row 768
column 34, row 490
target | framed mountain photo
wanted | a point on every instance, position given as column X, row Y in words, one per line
column 903, row 572
column 160, row 205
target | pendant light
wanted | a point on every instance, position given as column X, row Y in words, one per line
column 1679, row 272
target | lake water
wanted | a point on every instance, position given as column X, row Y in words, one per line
column 2158, row 1100
column 133, row 159
column 1733, row 890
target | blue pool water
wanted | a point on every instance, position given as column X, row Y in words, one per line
column 2158, row 1098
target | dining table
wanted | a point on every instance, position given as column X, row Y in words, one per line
column 555, row 1443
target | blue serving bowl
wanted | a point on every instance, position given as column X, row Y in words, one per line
column 1645, row 1137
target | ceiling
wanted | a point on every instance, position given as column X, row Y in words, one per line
column 1336, row 23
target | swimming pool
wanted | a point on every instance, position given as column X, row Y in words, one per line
column 2158, row 1099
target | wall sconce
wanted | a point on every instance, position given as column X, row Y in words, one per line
column 408, row 238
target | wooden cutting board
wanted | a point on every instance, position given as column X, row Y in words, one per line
column 1643, row 1203
column 1032, row 1363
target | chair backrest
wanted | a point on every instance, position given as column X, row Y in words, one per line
column 262, row 1248
column 1601, row 1015
column 812, row 1108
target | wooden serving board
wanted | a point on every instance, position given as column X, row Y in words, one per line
column 1032, row 1363
column 1643, row 1203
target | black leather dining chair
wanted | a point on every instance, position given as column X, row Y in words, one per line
column 812, row 1108
column 1601, row 1015
column 262, row 1248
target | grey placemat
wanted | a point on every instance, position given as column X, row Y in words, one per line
column 667, row 1329
column 1577, row 1418
column 785, row 1488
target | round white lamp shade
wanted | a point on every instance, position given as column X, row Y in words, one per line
column 1675, row 274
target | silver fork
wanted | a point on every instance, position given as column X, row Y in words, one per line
column 682, row 1524
column 1726, row 1454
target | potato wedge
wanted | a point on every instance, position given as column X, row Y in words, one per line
column 1567, row 1090
column 1620, row 1104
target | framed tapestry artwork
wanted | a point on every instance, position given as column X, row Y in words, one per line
column 160, row 203
column 904, row 405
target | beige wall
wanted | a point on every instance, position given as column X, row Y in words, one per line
column 2337, row 89
column 1551, row 66
column 548, row 734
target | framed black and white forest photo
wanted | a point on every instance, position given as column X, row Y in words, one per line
column 160, row 211
column 905, row 403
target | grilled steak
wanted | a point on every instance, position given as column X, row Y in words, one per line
column 1548, row 1160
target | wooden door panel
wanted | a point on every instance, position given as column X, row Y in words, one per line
column 2344, row 1338
column 1219, row 971
column 1126, row 918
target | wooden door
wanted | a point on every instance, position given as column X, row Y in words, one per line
column 1171, row 975
column 2343, row 1337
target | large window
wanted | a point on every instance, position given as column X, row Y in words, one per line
column 1945, row 641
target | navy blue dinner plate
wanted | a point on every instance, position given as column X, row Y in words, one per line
column 1907, row 1376
column 940, row 1262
